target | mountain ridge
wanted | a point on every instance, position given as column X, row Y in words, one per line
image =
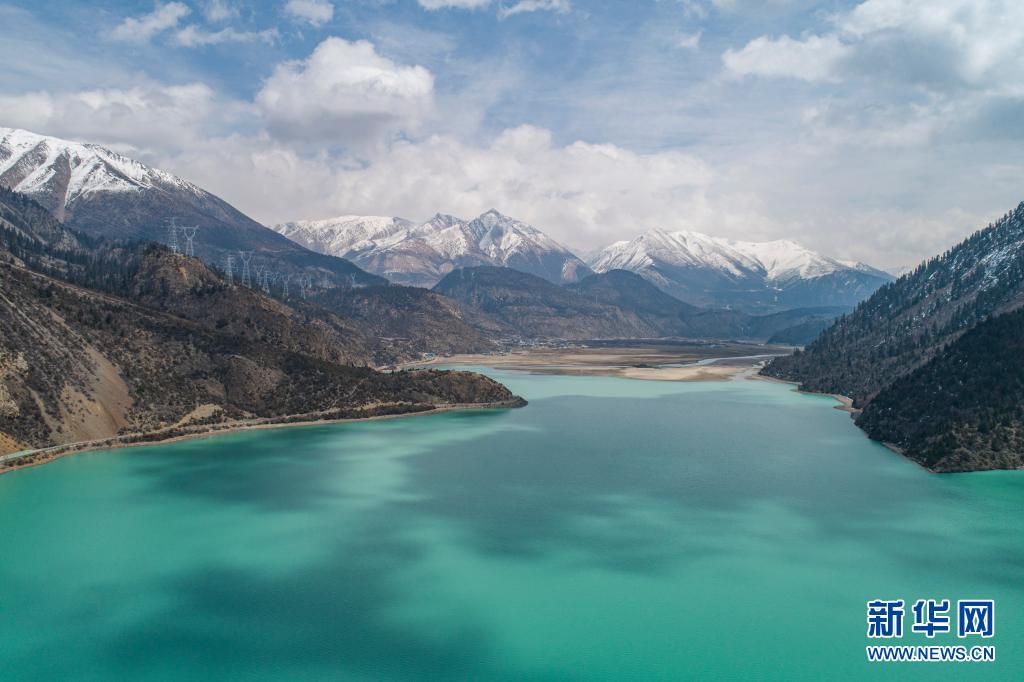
column 97, row 191
column 900, row 355
column 752, row 276
column 421, row 254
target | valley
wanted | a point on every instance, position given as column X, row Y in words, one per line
column 511, row 341
column 142, row 335
column 644, row 360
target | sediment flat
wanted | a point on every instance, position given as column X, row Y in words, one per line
column 682, row 362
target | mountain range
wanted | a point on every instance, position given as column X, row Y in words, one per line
column 931, row 359
column 421, row 254
column 509, row 304
column 692, row 267
column 751, row 276
column 96, row 191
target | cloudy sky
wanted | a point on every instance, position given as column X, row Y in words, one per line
column 883, row 130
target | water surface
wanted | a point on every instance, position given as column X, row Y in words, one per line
column 613, row 529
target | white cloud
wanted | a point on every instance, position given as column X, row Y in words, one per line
column 585, row 194
column 813, row 58
column 888, row 168
column 453, row 4
column 560, row 6
column 981, row 42
column 193, row 36
column 689, row 41
column 939, row 45
column 314, row 12
column 123, row 117
column 345, row 93
column 582, row 193
column 141, row 29
column 219, row 10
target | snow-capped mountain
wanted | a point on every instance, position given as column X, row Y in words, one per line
column 421, row 254
column 757, row 276
column 98, row 191
column 57, row 173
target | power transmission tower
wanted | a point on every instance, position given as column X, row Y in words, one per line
column 284, row 286
column 257, row 269
column 246, row 257
column 190, row 235
column 229, row 266
column 266, row 280
column 172, row 235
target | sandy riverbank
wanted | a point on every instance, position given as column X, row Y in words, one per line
column 653, row 363
column 45, row 455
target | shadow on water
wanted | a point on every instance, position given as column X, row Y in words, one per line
column 516, row 494
column 637, row 486
column 328, row 619
column 570, row 472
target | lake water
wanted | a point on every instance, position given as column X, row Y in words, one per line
column 612, row 530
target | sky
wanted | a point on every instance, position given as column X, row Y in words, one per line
column 882, row 131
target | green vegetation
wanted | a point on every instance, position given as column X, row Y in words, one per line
column 964, row 409
column 914, row 328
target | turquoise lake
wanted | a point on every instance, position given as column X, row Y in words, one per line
column 611, row 530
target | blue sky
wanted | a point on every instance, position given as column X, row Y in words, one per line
column 882, row 130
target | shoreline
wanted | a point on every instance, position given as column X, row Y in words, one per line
column 845, row 402
column 846, row 405
column 41, row 456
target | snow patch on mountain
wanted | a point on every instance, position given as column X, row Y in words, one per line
column 775, row 261
column 37, row 164
column 422, row 253
column 707, row 270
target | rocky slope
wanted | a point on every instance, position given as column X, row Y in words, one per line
column 406, row 321
column 79, row 365
column 750, row 276
column 421, row 254
column 99, row 192
column 168, row 344
column 513, row 304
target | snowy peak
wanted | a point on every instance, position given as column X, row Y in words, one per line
column 422, row 254
column 785, row 259
column 712, row 271
column 346, row 234
column 64, row 171
column 776, row 260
